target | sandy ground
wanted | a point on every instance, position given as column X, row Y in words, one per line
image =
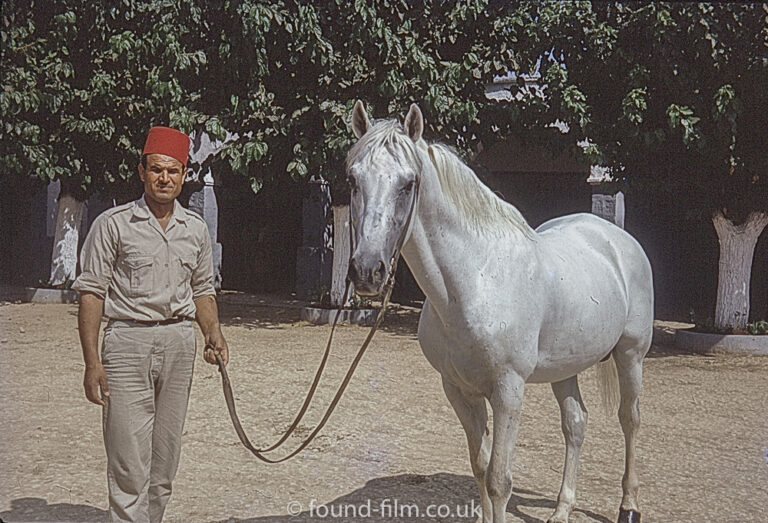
column 394, row 445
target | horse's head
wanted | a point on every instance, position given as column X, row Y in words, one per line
column 383, row 173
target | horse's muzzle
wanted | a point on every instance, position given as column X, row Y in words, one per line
column 368, row 278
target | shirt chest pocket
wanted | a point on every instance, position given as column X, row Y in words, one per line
column 141, row 275
column 186, row 266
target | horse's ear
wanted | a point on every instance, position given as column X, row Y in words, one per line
column 360, row 121
column 414, row 123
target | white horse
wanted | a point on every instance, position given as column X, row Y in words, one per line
column 506, row 305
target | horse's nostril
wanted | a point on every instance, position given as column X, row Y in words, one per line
column 381, row 270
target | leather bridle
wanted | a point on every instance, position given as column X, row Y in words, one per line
column 226, row 384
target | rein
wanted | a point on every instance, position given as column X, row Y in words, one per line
column 259, row 453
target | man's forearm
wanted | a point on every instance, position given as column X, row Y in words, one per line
column 207, row 315
column 88, row 323
column 208, row 318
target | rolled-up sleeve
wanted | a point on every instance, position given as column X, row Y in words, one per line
column 97, row 259
column 202, row 276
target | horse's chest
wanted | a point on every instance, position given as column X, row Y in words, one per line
column 469, row 357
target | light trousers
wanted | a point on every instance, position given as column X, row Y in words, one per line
column 149, row 373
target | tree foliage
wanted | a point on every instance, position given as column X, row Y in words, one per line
column 83, row 82
column 672, row 95
column 306, row 63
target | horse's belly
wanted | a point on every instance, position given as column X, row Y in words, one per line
column 585, row 317
column 565, row 353
column 551, row 371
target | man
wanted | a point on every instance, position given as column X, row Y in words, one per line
column 147, row 267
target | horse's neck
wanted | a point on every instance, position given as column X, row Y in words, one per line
column 443, row 252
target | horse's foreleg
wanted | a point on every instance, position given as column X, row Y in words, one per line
column 573, row 418
column 474, row 418
column 506, row 403
column 629, row 364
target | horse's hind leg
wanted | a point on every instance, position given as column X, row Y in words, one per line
column 628, row 356
column 473, row 415
column 573, row 417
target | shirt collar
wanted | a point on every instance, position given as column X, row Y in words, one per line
column 141, row 210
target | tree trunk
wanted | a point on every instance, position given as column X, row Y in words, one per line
column 737, row 249
column 340, row 254
column 64, row 258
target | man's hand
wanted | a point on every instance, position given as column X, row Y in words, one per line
column 216, row 340
column 95, row 379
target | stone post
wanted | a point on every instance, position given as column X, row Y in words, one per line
column 64, row 233
column 314, row 257
column 341, row 254
column 606, row 201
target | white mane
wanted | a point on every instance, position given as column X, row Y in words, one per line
column 481, row 210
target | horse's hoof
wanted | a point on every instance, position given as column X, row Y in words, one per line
column 628, row 516
column 561, row 514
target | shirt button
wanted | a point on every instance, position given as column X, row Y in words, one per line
column 166, row 265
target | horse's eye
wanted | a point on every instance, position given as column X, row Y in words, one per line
column 352, row 182
column 408, row 187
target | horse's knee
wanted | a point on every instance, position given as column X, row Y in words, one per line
column 479, row 464
column 629, row 413
column 498, row 484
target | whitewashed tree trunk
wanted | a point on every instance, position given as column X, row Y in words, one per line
column 737, row 249
column 64, row 257
column 340, row 254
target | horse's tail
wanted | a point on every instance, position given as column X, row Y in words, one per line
column 608, row 385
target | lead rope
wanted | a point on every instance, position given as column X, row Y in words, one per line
column 227, row 386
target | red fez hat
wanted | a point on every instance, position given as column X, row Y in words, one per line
column 167, row 141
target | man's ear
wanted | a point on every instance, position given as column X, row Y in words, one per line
column 141, row 172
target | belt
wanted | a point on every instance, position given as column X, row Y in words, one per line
column 149, row 323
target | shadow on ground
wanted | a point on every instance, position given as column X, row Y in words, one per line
column 410, row 497
column 281, row 312
column 37, row 509
column 269, row 312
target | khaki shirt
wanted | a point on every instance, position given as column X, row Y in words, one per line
column 143, row 272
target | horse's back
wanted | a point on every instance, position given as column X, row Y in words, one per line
column 603, row 238
column 588, row 235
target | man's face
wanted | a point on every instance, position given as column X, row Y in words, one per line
column 163, row 178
